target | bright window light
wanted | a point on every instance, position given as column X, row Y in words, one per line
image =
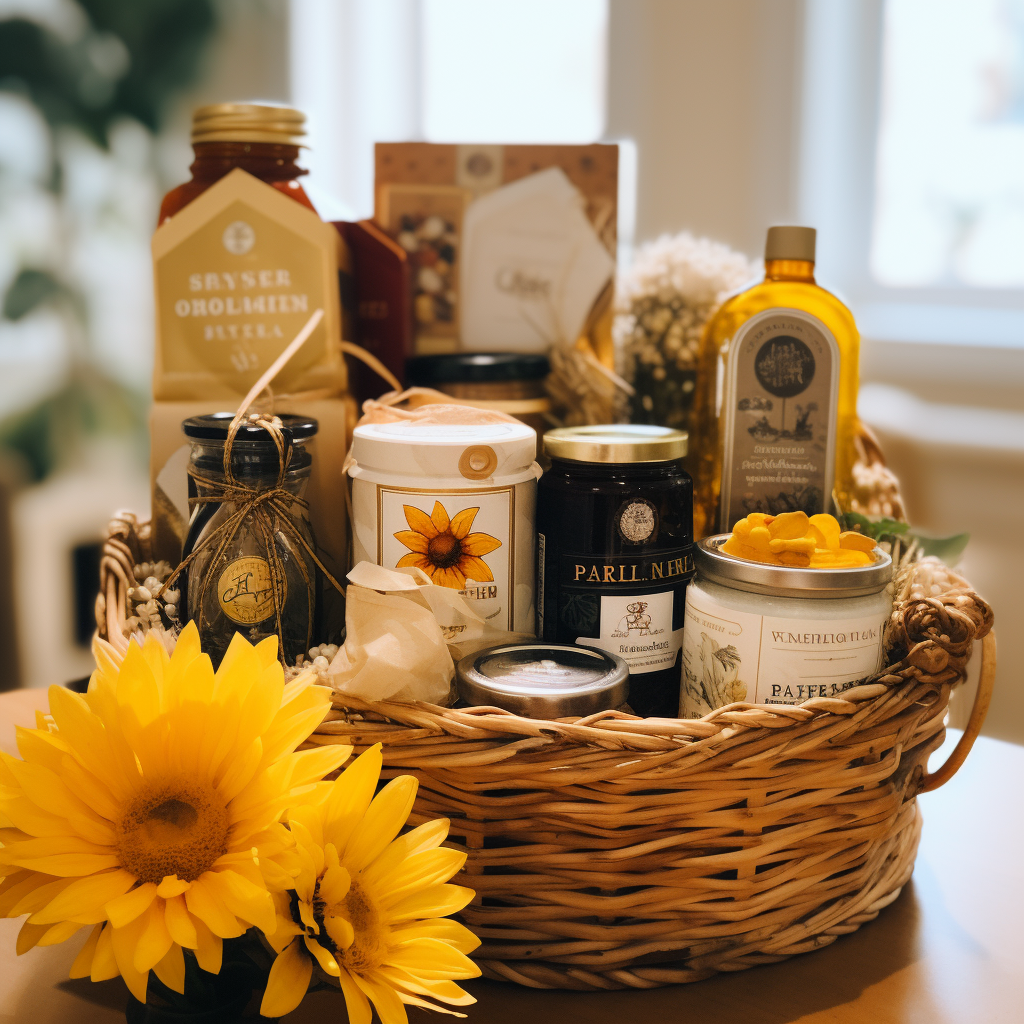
column 523, row 71
column 949, row 206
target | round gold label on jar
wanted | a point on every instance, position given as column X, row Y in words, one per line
column 245, row 592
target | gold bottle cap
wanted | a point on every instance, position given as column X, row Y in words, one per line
column 248, row 122
column 618, row 443
column 790, row 243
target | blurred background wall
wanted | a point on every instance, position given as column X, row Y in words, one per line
column 894, row 126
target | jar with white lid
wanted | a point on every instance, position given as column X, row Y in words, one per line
column 457, row 501
column 775, row 634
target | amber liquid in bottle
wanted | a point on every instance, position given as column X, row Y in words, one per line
column 770, row 426
column 271, row 162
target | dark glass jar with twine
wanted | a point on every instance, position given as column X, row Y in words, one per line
column 249, row 556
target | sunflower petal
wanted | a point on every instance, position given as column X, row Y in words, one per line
column 388, row 1005
column 341, row 932
column 326, row 961
column 413, row 541
column 210, row 948
column 179, row 922
column 86, row 896
column 432, row 958
column 243, row 899
column 418, row 872
column 452, row 578
column 288, row 981
column 122, row 910
column 204, row 902
column 82, row 966
column 171, row 970
column 443, row 928
column 475, row 569
column 437, row 901
column 125, row 940
column 414, row 560
column 462, row 522
column 350, row 797
column 357, row 1005
column 104, row 963
column 154, row 941
column 479, row 544
column 420, row 522
column 381, row 823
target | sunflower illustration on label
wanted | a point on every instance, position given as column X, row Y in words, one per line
column 445, row 548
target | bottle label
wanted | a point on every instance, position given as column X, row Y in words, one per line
column 779, row 416
column 629, row 605
column 245, row 592
column 731, row 655
column 238, row 272
column 464, row 540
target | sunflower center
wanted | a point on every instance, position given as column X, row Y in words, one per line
column 444, row 550
column 179, row 828
column 369, row 947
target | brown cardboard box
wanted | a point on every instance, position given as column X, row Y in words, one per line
column 169, row 450
column 404, row 169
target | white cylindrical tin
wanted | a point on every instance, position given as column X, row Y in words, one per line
column 458, row 502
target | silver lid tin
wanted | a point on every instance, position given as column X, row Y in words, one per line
column 544, row 680
column 788, row 581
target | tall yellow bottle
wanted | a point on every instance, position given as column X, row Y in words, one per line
column 776, row 402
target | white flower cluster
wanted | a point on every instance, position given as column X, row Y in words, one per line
column 663, row 302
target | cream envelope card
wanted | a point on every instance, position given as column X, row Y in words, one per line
column 532, row 266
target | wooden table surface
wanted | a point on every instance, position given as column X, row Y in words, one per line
column 950, row 949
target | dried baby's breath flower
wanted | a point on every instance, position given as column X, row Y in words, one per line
column 663, row 302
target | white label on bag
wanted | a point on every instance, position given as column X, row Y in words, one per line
column 461, row 539
column 638, row 628
column 730, row 656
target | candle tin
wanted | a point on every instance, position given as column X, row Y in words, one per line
column 456, row 501
column 775, row 634
column 541, row 680
column 615, row 538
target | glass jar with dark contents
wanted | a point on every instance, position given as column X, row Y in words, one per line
column 239, row 544
column 615, row 540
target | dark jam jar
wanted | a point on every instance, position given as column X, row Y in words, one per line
column 615, row 540
column 229, row 583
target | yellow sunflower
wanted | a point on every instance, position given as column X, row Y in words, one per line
column 444, row 548
column 370, row 908
column 150, row 807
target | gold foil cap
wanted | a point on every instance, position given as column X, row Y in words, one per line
column 790, row 243
column 248, row 122
column 619, row 443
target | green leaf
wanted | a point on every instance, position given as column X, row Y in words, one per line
column 29, row 290
column 946, row 549
column 876, row 528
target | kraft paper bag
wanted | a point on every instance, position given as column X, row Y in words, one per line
column 403, row 633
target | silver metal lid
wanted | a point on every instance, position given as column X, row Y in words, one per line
column 788, row 581
column 542, row 680
column 616, row 443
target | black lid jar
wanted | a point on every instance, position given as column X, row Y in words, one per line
column 239, row 546
column 615, row 540
column 511, row 382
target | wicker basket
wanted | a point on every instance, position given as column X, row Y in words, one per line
column 616, row 852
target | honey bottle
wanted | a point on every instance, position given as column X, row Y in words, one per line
column 776, row 402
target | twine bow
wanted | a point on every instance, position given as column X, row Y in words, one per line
column 269, row 510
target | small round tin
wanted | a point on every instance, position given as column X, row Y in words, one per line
column 544, row 680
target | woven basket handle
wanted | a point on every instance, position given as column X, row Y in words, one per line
column 982, row 699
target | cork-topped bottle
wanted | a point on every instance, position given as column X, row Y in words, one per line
column 776, row 403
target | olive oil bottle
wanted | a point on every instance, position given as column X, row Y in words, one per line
column 776, row 402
